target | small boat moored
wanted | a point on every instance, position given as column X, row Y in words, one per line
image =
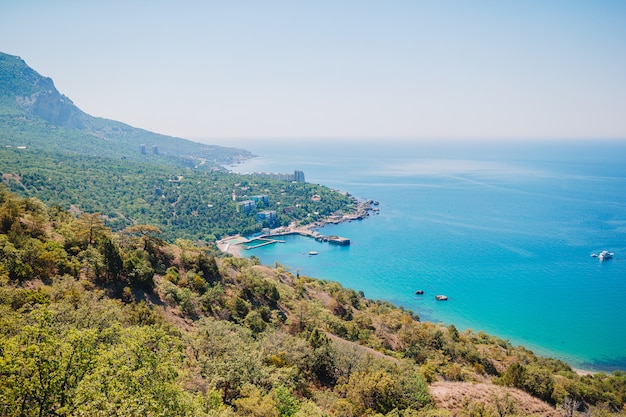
column 313, row 252
column 419, row 292
column 605, row 254
column 441, row 297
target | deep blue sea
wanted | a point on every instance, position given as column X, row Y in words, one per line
column 505, row 231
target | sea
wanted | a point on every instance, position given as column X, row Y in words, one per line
column 505, row 229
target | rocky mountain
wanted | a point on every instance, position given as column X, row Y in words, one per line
column 34, row 113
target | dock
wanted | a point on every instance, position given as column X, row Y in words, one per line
column 337, row 240
column 244, row 243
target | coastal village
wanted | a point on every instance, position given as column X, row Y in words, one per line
column 234, row 244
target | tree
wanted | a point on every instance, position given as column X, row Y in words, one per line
column 149, row 235
column 385, row 390
column 208, row 266
column 113, row 262
column 135, row 376
column 92, row 263
column 91, row 227
column 138, row 270
column 42, row 368
column 569, row 406
column 514, row 376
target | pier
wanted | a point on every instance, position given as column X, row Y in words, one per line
column 337, row 240
column 244, row 243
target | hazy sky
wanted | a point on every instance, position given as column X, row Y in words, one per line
column 334, row 69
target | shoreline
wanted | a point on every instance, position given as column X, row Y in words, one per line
column 231, row 245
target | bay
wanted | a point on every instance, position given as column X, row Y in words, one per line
column 504, row 230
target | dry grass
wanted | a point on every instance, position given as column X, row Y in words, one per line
column 455, row 396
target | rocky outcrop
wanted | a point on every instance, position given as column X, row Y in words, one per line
column 37, row 94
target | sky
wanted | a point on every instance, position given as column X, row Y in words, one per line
column 328, row 70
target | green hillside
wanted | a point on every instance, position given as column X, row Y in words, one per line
column 34, row 114
column 114, row 302
column 100, row 323
column 183, row 202
column 51, row 150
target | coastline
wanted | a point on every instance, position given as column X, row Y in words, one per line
column 231, row 244
column 425, row 220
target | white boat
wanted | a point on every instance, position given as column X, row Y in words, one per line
column 441, row 297
column 312, row 253
column 605, row 254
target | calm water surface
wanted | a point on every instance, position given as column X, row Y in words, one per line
column 505, row 233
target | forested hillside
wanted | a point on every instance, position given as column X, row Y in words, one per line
column 114, row 302
column 34, row 114
column 188, row 203
column 53, row 151
column 94, row 322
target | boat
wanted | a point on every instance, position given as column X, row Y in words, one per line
column 419, row 292
column 605, row 254
column 441, row 297
column 312, row 253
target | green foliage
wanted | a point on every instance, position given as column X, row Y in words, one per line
column 155, row 200
column 533, row 379
column 135, row 376
column 385, row 390
column 255, row 340
column 41, row 369
column 286, row 403
column 138, row 270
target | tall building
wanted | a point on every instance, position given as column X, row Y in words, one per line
column 267, row 215
column 246, row 206
column 298, row 176
column 261, row 198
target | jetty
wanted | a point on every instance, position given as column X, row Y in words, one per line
column 232, row 244
column 337, row 240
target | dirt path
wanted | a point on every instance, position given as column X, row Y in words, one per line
column 453, row 396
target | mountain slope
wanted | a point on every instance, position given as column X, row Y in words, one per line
column 99, row 323
column 34, row 113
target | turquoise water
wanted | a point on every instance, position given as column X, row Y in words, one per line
column 505, row 232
